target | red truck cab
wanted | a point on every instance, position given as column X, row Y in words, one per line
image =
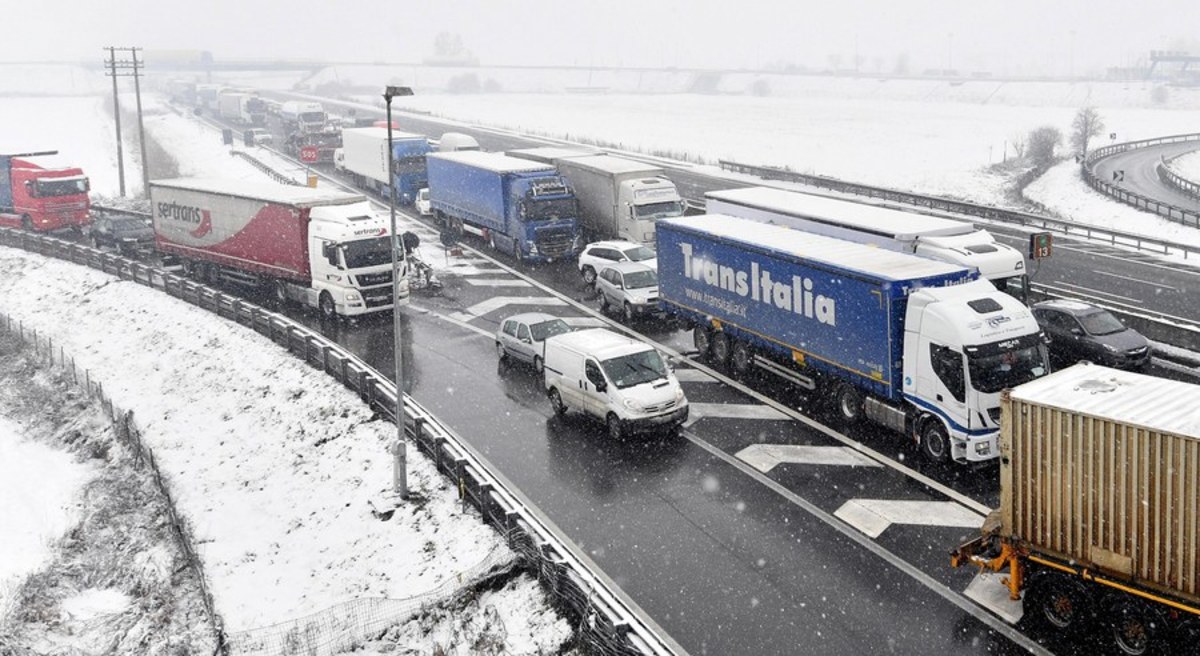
column 41, row 199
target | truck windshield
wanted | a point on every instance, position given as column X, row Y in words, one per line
column 663, row 210
column 635, row 369
column 366, row 252
column 313, row 117
column 61, row 186
column 548, row 210
column 994, row 369
column 406, row 165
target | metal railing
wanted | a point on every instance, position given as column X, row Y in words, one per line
column 604, row 620
column 262, row 166
column 1167, row 210
column 988, row 212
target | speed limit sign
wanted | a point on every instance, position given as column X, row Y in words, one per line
column 308, row 154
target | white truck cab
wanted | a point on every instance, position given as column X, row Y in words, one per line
column 622, row 381
column 965, row 344
column 350, row 260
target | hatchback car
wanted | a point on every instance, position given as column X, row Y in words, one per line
column 597, row 255
column 523, row 337
column 630, row 287
column 127, row 234
column 1081, row 331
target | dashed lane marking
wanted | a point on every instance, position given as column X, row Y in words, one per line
column 874, row 516
column 764, row 457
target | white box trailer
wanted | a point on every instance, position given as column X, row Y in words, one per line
column 229, row 105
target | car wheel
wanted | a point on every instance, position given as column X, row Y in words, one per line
column 556, row 402
column 702, row 338
column 589, row 275
column 328, row 308
column 720, row 347
column 935, row 443
column 741, row 357
column 615, row 430
column 538, row 366
column 628, row 312
column 501, row 353
column 603, row 302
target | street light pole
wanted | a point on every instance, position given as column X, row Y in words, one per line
column 400, row 467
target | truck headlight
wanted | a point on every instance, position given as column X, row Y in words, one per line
column 533, row 249
column 353, row 296
column 983, row 448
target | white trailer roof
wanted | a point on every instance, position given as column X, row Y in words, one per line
column 885, row 221
column 1155, row 403
column 495, row 162
column 871, row 260
column 381, row 133
column 551, row 153
column 615, row 165
column 265, row 190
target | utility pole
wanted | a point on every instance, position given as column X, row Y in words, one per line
column 129, row 68
column 111, row 62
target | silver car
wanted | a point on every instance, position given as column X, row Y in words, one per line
column 523, row 337
column 600, row 254
column 629, row 287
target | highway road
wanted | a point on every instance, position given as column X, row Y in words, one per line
column 764, row 528
column 1140, row 166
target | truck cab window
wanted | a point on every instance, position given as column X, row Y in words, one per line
column 948, row 365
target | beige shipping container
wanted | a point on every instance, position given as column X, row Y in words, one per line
column 1101, row 468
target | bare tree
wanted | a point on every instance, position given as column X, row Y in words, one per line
column 1041, row 145
column 1017, row 141
column 1087, row 124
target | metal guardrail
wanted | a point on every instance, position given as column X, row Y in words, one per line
column 262, row 166
column 604, row 621
column 988, row 212
column 1172, row 212
column 1169, row 176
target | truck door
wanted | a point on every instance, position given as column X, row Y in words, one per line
column 944, row 382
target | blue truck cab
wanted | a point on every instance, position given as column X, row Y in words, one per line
column 409, row 154
column 519, row 207
column 920, row 346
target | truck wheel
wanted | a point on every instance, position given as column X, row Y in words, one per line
column 589, row 275
column 935, row 443
column 615, row 430
column 720, row 347
column 702, row 338
column 741, row 357
column 1058, row 602
column 26, row 222
column 849, row 403
column 1136, row 628
column 281, row 295
column 328, row 308
column 556, row 402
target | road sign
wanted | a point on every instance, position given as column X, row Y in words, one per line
column 1041, row 245
column 309, row 154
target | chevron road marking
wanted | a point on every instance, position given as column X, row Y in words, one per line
column 497, row 302
column 873, row 516
column 765, row 457
column 733, row 411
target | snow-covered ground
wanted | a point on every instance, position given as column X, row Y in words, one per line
column 1188, row 166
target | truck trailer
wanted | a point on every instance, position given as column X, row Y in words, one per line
column 1099, row 510
column 364, row 155
column 35, row 198
column 919, row 346
column 325, row 249
column 948, row 240
column 229, row 105
column 519, row 207
column 619, row 198
column 302, row 116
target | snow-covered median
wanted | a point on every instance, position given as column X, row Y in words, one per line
column 271, row 462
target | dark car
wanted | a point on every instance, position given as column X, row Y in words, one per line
column 1081, row 331
column 127, row 234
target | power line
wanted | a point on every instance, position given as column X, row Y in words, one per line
column 130, row 67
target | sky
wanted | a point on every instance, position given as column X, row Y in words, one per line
column 1019, row 37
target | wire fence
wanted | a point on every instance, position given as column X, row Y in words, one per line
column 607, row 622
column 128, row 434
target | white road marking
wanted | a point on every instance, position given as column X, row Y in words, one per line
column 693, row 376
column 472, row 270
column 497, row 302
column 732, row 411
column 1089, row 290
column 1132, row 279
column 764, row 457
column 497, row 282
column 453, row 320
column 988, row 590
column 873, row 516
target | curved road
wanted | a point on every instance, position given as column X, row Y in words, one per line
column 1141, row 172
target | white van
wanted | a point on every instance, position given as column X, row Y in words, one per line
column 620, row 380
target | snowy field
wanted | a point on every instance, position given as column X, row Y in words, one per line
column 1188, row 166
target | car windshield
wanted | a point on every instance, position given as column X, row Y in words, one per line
column 640, row 254
column 1101, row 323
column 641, row 279
column 635, row 368
column 664, row 210
column 541, row 331
column 993, row 372
column 366, row 252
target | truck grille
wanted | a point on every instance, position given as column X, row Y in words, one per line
column 370, row 279
column 554, row 242
column 377, row 297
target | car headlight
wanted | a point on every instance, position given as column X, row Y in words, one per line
column 678, row 393
column 1110, row 348
column 634, row 405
